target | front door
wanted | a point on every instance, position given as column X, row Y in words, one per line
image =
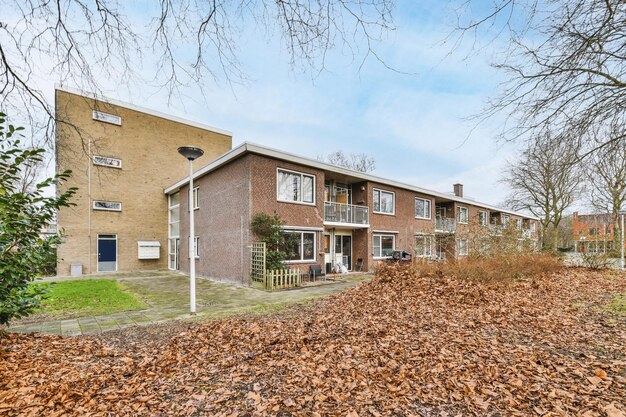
column 343, row 250
column 107, row 253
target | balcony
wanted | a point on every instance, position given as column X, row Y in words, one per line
column 340, row 214
column 445, row 225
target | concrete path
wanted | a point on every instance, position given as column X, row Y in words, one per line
column 167, row 295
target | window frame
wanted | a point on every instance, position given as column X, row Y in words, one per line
column 430, row 250
column 518, row 224
column 196, row 197
column 196, row 247
column 302, row 233
column 486, row 222
column 302, row 175
column 430, row 208
column 458, row 247
column 458, row 214
column 505, row 220
column 381, row 235
column 93, row 205
column 380, row 191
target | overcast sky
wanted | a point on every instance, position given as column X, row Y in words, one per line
column 415, row 124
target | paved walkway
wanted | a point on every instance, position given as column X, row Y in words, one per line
column 167, row 295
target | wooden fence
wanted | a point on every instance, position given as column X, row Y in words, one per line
column 270, row 279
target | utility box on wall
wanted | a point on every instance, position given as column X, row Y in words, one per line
column 148, row 249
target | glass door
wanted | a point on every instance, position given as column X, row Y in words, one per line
column 343, row 250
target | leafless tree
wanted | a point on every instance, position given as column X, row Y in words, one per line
column 565, row 62
column 545, row 181
column 356, row 161
column 606, row 175
column 81, row 42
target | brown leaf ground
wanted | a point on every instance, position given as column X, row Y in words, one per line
column 399, row 345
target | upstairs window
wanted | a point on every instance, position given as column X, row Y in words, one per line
column 462, row 215
column 482, row 218
column 518, row 224
column 384, row 202
column 422, row 208
column 196, row 198
column 505, row 220
column 295, row 187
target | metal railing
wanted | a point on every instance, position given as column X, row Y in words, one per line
column 346, row 213
column 444, row 224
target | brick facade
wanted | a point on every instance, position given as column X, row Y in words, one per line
column 147, row 145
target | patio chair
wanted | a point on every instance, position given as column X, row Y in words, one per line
column 316, row 271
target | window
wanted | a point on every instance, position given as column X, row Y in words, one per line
column 423, row 246
column 295, row 187
column 462, row 248
column 196, row 246
column 518, row 224
column 505, row 220
column 106, row 117
column 482, row 218
column 300, row 246
column 422, row 208
column 196, row 198
column 462, row 215
column 384, row 202
column 105, row 161
column 174, row 215
column 383, row 245
column 593, row 231
column 107, row 205
column 533, row 227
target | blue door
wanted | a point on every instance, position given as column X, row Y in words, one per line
column 107, row 253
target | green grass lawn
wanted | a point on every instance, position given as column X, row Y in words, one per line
column 618, row 305
column 87, row 297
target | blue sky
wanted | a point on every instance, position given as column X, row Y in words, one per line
column 413, row 124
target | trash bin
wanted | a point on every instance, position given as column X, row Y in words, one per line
column 76, row 270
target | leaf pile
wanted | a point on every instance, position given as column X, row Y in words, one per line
column 402, row 344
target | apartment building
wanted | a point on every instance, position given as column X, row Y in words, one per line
column 594, row 233
column 335, row 216
column 122, row 157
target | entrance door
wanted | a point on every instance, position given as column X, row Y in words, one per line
column 107, row 253
column 343, row 250
column 440, row 212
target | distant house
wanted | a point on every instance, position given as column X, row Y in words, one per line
column 594, row 233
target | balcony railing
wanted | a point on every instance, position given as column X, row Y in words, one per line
column 346, row 213
column 444, row 224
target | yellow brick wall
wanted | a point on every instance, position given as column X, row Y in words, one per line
column 147, row 145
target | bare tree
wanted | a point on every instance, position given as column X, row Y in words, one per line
column 545, row 181
column 82, row 42
column 565, row 62
column 356, row 161
column 606, row 175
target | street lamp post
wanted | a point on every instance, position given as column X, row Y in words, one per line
column 191, row 153
column 622, row 213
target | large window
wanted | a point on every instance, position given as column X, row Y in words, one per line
column 423, row 246
column 422, row 208
column 482, row 218
column 300, row 246
column 462, row 214
column 295, row 187
column 383, row 245
column 384, row 202
column 462, row 247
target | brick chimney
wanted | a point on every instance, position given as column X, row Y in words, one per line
column 458, row 190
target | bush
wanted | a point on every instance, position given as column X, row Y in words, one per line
column 495, row 268
column 269, row 229
column 596, row 260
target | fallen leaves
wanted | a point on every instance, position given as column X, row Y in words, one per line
column 402, row 344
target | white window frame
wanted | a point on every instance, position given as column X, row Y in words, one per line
column 393, row 200
column 302, row 259
column 302, row 175
column 486, row 222
column 518, row 224
column 533, row 227
column 505, row 220
column 101, row 116
column 430, row 247
column 196, row 247
column 458, row 215
column 104, row 208
column 96, row 159
column 380, row 236
column 458, row 247
column 196, row 198
column 430, row 208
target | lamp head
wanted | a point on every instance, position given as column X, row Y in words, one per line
column 190, row 152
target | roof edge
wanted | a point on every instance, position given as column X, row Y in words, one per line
column 141, row 109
